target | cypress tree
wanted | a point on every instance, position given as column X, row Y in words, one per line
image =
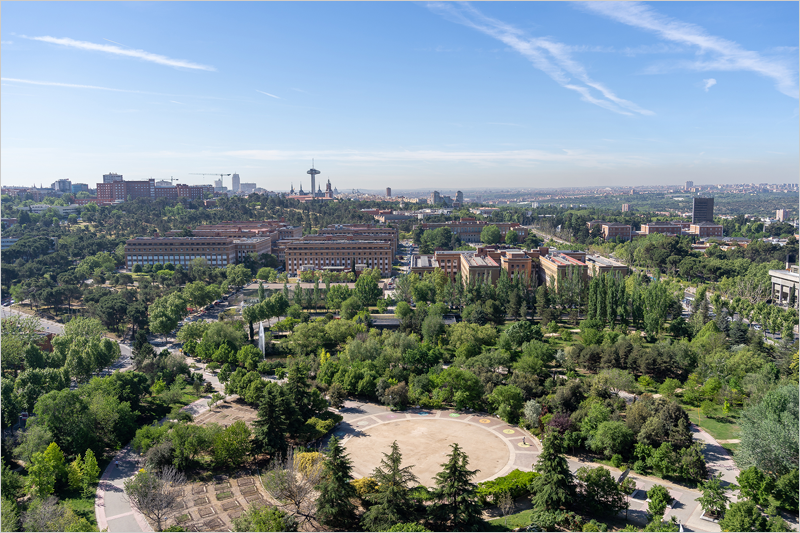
column 335, row 508
column 456, row 508
column 554, row 487
column 261, row 294
column 392, row 502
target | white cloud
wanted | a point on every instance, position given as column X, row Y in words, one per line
column 710, row 82
column 716, row 53
column 272, row 95
column 6, row 42
column 116, row 50
column 552, row 58
column 72, row 85
column 176, row 102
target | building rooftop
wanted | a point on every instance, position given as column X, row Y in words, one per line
column 605, row 261
column 423, row 261
column 480, row 261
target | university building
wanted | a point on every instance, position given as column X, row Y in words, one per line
column 217, row 251
column 485, row 263
column 312, row 254
column 469, row 229
column 120, row 191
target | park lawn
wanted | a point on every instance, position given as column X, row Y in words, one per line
column 80, row 505
column 720, row 429
column 731, row 447
column 521, row 519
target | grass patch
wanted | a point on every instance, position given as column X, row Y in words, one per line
column 224, row 495
column 731, row 447
column 521, row 519
column 183, row 518
column 80, row 505
column 719, row 428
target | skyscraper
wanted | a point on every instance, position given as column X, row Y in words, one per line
column 388, row 191
column 235, row 184
column 702, row 210
column 689, row 185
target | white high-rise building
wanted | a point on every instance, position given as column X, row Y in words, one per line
column 235, row 184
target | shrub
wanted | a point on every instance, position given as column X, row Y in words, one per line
column 616, row 460
column 365, row 486
column 515, row 483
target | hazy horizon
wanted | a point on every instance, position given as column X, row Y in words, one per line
column 401, row 95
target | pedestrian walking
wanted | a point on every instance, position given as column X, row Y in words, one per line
column 523, row 442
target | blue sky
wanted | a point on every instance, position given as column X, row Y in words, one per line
column 404, row 95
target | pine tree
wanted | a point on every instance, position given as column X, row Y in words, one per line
column 335, row 508
column 456, row 508
column 392, row 502
column 277, row 416
column 554, row 487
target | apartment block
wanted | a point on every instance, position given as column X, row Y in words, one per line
column 469, row 229
column 305, row 254
column 782, row 214
column 123, row 190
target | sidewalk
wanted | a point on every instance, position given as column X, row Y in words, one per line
column 111, row 508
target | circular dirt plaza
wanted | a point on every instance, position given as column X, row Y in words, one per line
column 426, row 438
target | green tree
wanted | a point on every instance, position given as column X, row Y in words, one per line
column 507, row 400
column 335, row 508
column 277, row 417
column 714, row 499
column 232, row 445
column 42, row 476
column 455, row 506
column 600, row 491
column 512, row 237
column 261, row 517
column 755, row 485
column 392, row 502
column 490, row 234
column 350, row 308
column 367, row 291
column 769, row 432
column 659, row 498
column 10, row 514
column 743, row 516
column 554, row 487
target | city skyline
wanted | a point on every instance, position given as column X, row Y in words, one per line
column 404, row 95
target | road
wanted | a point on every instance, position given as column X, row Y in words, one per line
column 546, row 236
column 49, row 325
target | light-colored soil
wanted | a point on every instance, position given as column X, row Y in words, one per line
column 425, row 445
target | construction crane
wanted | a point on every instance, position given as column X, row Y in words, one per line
column 201, row 174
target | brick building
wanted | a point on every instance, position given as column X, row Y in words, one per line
column 469, row 229
column 304, row 254
column 124, row 190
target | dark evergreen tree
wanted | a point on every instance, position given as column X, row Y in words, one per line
column 554, row 487
column 335, row 508
column 456, row 508
column 392, row 501
column 277, row 417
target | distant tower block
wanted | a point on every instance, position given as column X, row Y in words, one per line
column 313, row 173
column 389, row 192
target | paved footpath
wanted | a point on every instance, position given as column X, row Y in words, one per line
column 111, row 507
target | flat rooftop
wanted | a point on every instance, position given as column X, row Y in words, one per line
column 423, row 261
column 603, row 261
column 480, row 262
